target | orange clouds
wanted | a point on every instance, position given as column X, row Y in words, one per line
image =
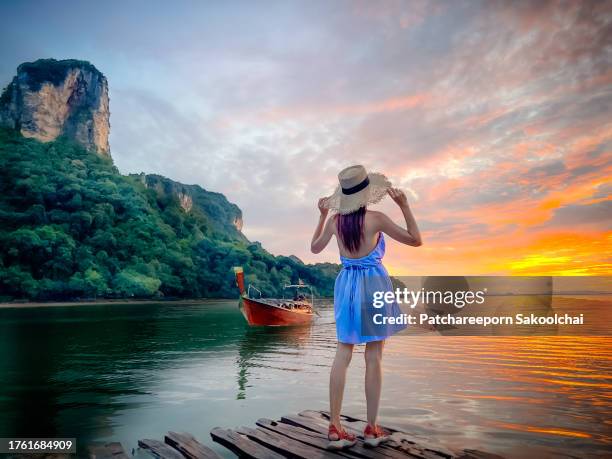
column 558, row 253
column 324, row 110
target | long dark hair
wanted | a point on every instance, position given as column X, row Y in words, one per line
column 350, row 228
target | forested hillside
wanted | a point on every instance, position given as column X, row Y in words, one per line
column 71, row 226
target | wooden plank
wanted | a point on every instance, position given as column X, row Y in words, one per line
column 304, row 436
column 112, row 450
column 315, row 424
column 359, row 425
column 320, row 440
column 159, row 449
column 356, row 426
column 187, row 445
column 305, row 423
column 241, row 445
column 307, row 437
column 287, row 446
column 476, row 454
column 396, row 432
column 288, row 428
column 321, row 419
column 362, row 422
column 320, row 424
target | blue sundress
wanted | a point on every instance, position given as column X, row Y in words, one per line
column 354, row 291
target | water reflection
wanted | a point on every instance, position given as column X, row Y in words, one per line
column 258, row 342
column 125, row 372
column 68, row 369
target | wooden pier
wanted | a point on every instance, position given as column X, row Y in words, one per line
column 299, row 436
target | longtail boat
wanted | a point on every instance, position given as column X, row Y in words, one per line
column 258, row 310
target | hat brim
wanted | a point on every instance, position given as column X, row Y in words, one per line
column 373, row 193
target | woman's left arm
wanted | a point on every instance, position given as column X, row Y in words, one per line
column 323, row 231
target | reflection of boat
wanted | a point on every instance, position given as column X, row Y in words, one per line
column 274, row 311
column 263, row 350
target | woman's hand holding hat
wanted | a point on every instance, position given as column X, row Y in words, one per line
column 398, row 196
column 323, row 205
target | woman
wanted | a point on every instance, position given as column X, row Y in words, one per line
column 359, row 233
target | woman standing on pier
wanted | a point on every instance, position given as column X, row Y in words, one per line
column 359, row 233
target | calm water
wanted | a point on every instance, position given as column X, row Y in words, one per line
column 124, row 372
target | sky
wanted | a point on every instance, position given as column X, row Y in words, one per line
column 493, row 116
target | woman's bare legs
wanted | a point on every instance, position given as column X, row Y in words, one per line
column 373, row 378
column 337, row 377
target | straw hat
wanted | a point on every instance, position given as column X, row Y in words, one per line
column 357, row 188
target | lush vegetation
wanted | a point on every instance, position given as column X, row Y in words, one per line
column 71, row 226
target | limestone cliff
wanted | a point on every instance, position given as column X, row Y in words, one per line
column 50, row 98
column 222, row 216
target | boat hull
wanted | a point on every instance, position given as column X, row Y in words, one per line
column 261, row 314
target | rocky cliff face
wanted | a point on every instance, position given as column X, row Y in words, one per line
column 50, row 98
column 223, row 216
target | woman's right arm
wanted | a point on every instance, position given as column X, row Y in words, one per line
column 324, row 230
column 411, row 235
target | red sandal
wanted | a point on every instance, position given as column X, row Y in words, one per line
column 374, row 436
column 345, row 439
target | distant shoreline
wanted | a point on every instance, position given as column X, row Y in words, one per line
column 42, row 304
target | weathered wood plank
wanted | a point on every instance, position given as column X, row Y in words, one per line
column 304, row 436
column 308, row 437
column 356, row 426
column 159, row 449
column 476, row 454
column 305, row 423
column 320, row 425
column 241, row 445
column 187, row 445
column 112, row 450
column 360, row 424
column 285, row 445
column 320, row 440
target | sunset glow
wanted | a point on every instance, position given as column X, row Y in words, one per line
column 493, row 116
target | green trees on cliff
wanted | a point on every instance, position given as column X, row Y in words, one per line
column 71, row 226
